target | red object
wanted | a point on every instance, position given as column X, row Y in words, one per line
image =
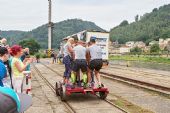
column 69, row 91
column 15, row 49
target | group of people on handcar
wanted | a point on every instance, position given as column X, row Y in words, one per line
column 85, row 57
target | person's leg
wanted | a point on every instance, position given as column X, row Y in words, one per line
column 90, row 70
column 83, row 66
column 98, row 66
column 89, row 75
column 74, row 72
column 66, row 70
column 98, row 77
column 18, row 85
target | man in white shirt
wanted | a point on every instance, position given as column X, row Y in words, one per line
column 80, row 60
column 95, row 62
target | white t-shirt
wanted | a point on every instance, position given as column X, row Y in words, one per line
column 80, row 52
column 95, row 52
column 65, row 51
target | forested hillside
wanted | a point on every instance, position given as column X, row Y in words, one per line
column 150, row 26
column 61, row 30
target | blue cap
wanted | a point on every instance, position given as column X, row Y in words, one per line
column 92, row 39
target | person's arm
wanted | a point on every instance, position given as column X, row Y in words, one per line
column 88, row 55
column 73, row 54
column 70, row 49
column 18, row 66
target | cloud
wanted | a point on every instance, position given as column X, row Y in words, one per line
column 29, row 14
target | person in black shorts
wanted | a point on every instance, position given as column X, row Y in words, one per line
column 80, row 60
column 95, row 62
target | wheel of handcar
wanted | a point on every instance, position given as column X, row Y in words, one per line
column 63, row 93
column 103, row 95
column 57, row 89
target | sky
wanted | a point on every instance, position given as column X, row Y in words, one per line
column 26, row 15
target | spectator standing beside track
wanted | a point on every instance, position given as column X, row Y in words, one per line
column 8, row 80
column 95, row 62
column 18, row 67
column 26, row 56
column 55, row 57
column 3, row 42
column 3, row 58
column 68, row 51
column 60, row 55
column 52, row 56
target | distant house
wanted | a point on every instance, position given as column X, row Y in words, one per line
column 140, row 44
column 146, row 49
column 153, row 42
column 124, row 49
column 130, row 44
column 163, row 43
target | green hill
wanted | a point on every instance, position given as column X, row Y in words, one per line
column 150, row 26
column 61, row 30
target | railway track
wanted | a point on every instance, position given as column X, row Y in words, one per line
column 142, row 84
column 162, row 90
column 106, row 100
column 66, row 104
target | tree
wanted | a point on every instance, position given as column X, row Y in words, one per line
column 136, row 18
column 136, row 50
column 155, row 48
column 124, row 23
column 151, row 26
column 31, row 44
column 154, row 10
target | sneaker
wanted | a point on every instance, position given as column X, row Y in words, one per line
column 89, row 85
column 99, row 86
column 92, row 84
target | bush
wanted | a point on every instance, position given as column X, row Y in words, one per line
column 44, row 56
column 37, row 56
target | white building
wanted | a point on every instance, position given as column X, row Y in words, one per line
column 124, row 49
column 130, row 44
column 163, row 43
column 140, row 44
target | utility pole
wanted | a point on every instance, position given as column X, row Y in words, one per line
column 50, row 26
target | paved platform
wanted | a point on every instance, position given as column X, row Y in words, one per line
column 44, row 100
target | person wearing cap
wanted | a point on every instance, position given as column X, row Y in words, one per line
column 3, row 58
column 11, row 102
column 67, row 60
column 95, row 60
column 18, row 67
column 80, row 60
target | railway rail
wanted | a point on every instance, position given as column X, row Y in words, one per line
column 139, row 83
column 106, row 100
column 162, row 90
column 67, row 105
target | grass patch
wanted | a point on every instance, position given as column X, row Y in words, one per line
column 141, row 58
column 128, row 106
